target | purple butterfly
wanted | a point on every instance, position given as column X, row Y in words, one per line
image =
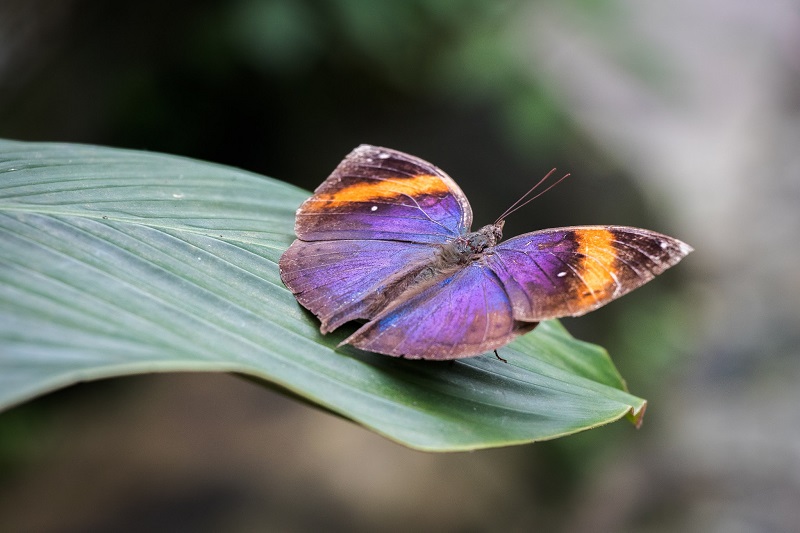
column 386, row 239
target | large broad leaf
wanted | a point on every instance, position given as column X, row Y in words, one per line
column 115, row 262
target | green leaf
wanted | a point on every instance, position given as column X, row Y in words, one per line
column 116, row 262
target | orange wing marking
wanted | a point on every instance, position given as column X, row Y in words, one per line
column 381, row 190
column 597, row 265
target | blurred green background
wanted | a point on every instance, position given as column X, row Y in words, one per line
column 681, row 117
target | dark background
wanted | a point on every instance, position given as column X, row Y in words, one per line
column 679, row 118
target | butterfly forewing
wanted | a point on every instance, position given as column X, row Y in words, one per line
column 378, row 193
column 571, row 271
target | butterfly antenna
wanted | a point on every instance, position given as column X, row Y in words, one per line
column 521, row 198
column 517, row 205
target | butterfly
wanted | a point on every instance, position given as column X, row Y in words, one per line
column 386, row 240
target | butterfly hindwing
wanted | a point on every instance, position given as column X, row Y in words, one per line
column 378, row 193
column 462, row 314
column 571, row 271
column 345, row 280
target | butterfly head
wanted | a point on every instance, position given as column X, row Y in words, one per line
column 497, row 231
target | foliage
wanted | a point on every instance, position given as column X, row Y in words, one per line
column 116, row 262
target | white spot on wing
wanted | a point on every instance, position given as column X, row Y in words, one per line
column 561, row 274
column 383, row 155
column 373, row 208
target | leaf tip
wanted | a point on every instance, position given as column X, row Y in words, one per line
column 636, row 414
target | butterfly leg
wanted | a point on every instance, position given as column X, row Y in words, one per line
column 498, row 356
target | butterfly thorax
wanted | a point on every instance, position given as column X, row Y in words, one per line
column 453, row 256
column 470, row 246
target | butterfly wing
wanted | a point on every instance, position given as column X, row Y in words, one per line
column 378, row 193
column 462, row 314
column 571, row 271
column 346, row 280
column 371, row 226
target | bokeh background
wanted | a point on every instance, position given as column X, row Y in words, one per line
column 682, row 117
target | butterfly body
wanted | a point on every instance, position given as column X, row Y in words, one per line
column 386, row 239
